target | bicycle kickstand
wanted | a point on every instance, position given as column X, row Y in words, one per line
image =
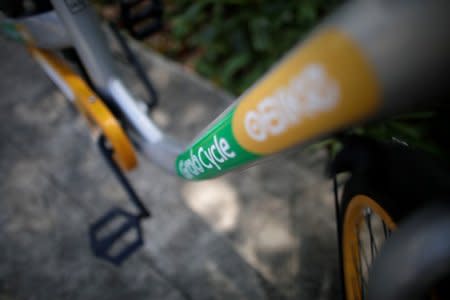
column 114, row 244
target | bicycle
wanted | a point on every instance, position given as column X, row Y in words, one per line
column 349, row 70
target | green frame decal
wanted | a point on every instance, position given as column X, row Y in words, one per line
column 214, row 153
column 11, row 31
column 324, row 84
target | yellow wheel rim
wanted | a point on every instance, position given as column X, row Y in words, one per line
column 354, row 218
column 91, row 106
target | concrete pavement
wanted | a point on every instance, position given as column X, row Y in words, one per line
column 262, row 233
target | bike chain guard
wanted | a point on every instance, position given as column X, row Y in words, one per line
column 141, row 17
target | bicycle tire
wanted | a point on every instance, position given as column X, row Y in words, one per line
column 383, row 180
column 415, row 262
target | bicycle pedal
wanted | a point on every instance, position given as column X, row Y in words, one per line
column 116, row 235
column 141, row 17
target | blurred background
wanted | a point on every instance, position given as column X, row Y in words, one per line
column 231, row 42
column 262, row 233
column 267, row 232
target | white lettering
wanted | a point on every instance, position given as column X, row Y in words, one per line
column 213, row 156
column 225, row 147
column 224, row 157
column 196, row 163
column 272, row 117
column 212, row 148
column 183, row 170
column 308, row 94
column 200, row 150
column 254, row 126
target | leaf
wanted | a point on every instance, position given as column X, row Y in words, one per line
column 405, row 130
column 416, row 116
column 234, row 64
column 259, row 29
column 307, row 12
column 220, row 31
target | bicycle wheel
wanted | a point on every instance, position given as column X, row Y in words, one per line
column 385, row 188
column 366, row 225
column 414, row 263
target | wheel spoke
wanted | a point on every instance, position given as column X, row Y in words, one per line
column 358, row 267
column 373, row 245
column 385, row 230
column 362, row 255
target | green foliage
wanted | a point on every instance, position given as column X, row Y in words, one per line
column 235, row 41
column 419, row 130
